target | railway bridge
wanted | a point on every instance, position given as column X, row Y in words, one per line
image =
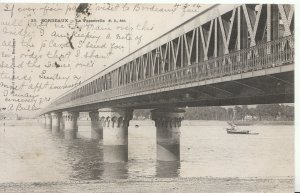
column 226, row 55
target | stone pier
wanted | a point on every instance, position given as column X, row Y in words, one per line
column 96, row 125
column 48, row 121
column 42, row 121
column 62, row 124
column 168, row 122
column 56, row 117
column 115, row 134
column 70, row 124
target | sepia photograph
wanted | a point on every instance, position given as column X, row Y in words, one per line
column 147, row 97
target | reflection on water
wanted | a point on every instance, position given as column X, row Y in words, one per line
column 85, row 157
column 167, row 169
column 55, row 130
column 115, row 154
column 33, row 153
column 168, row 152
column 69, row 134
column 115, row 170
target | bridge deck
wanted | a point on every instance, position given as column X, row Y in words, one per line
column 240, row 42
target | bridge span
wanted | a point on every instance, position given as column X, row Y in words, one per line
column 226, row 55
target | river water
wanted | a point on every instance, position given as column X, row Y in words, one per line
column 34, row 154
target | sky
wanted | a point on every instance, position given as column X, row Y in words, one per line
column 49, row 48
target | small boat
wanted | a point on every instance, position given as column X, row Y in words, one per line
column 235, row 131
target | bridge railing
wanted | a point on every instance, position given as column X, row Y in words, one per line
column 268, row 55
column 261, row 56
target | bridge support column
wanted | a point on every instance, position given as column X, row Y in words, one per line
column 115, row 134
column 62, row 123
column 96, row 125
column 56, row 117
column 42, row 121
column 168, row 122
column 70, row 122
column 48, row 121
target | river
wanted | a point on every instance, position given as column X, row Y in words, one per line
column 33, row 154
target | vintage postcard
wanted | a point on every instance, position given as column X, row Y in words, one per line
column 147, row 97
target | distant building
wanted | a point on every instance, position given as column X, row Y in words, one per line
column 250, row 118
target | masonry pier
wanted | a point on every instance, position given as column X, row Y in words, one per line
column 56, row 117
column 96, row 125
column 48, row 121
column 168, row 122
column 70, row 124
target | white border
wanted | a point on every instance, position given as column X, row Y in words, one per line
column 297, row 56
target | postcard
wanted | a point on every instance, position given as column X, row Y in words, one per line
column 147, row 97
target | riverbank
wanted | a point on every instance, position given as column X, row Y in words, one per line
column 239, row 123
column 30, row 122
column 246, row 123
column 201, row 123
column 163, row 185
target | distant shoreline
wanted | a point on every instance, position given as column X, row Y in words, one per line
column 238, row 123
column 31, row 122
column 265, row 123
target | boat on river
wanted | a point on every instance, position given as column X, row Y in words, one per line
column 234, row 130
